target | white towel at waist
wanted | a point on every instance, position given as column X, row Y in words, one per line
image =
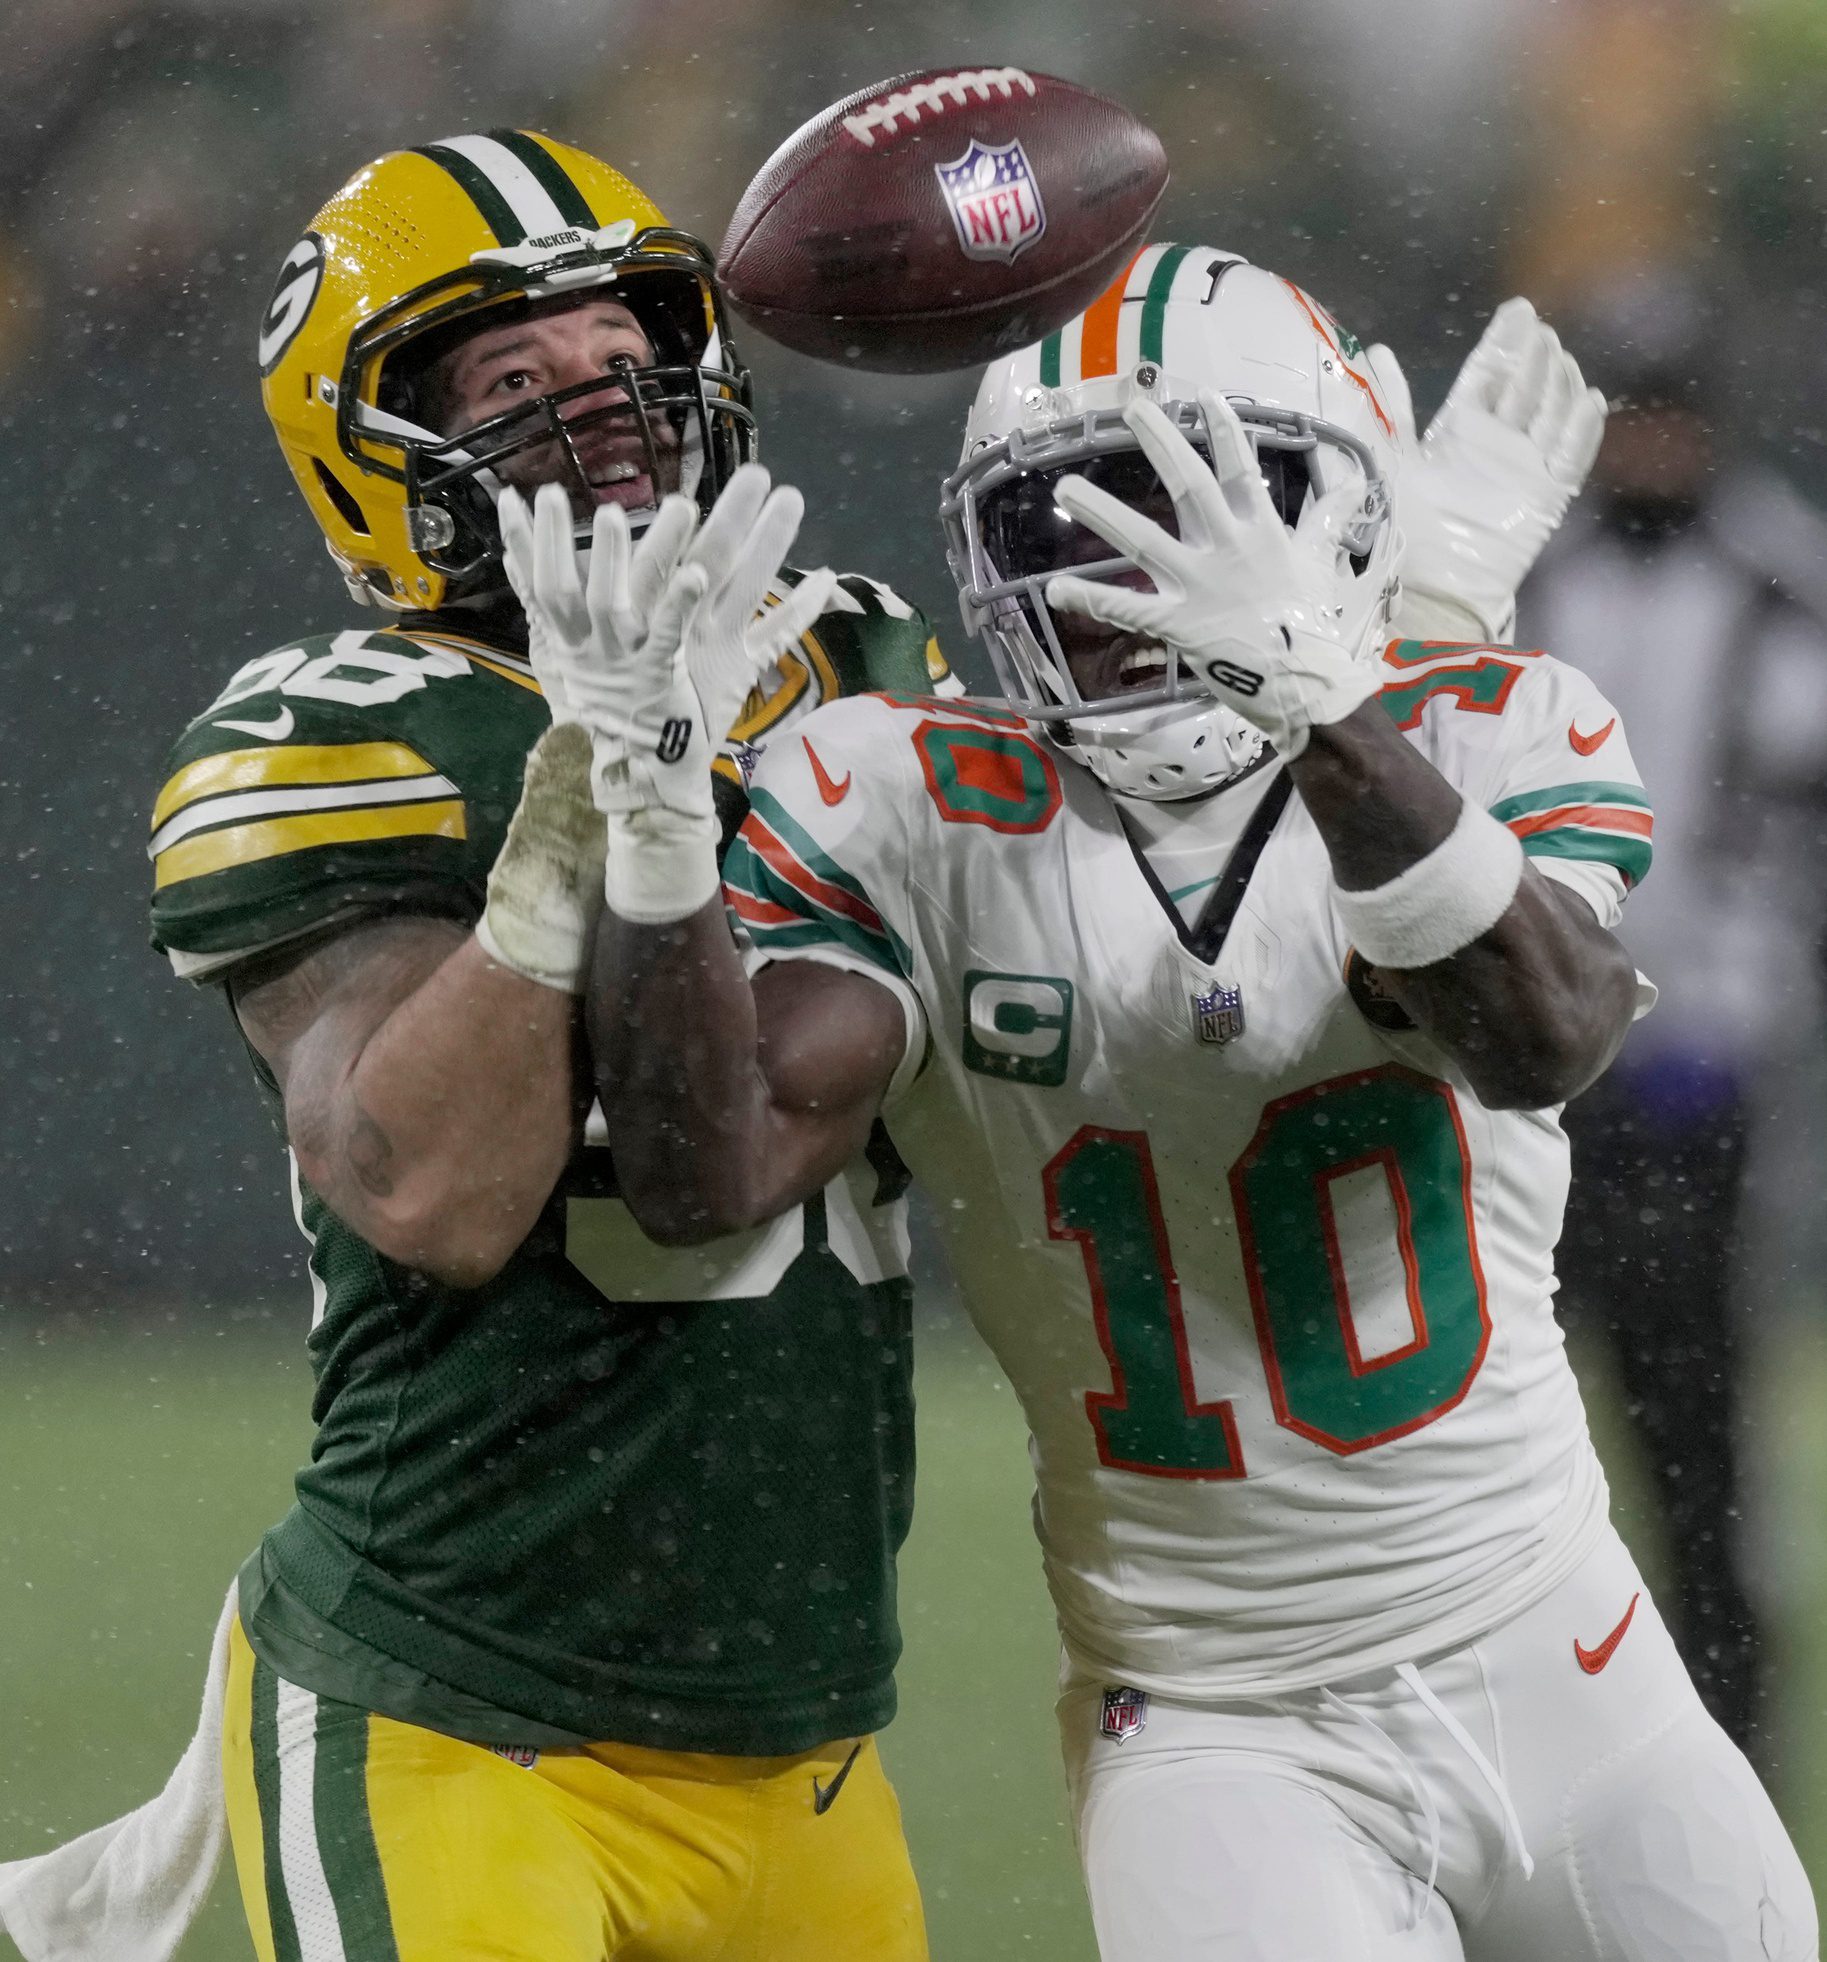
column 126, row 1892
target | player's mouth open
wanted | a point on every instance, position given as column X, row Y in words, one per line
column 1124, row 664
column 1143, row 667
column 625, row 482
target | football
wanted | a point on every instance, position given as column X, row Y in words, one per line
column 941, row 219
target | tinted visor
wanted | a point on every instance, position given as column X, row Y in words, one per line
column 1027, row 535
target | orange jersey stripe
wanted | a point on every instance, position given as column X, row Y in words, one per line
column 1589, row 817
column 761, row 912
column 834, row 899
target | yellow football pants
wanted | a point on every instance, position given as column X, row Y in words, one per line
column 359, row 1839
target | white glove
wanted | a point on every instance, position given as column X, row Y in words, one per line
column 654, row 653
column 1485, row 489
column 641, row 575
column 1236, row 594
column 545, row 890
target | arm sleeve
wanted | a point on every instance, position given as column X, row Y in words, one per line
column 1566, row 784
column 817, row 871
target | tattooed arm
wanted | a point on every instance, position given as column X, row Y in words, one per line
column 428, row 1092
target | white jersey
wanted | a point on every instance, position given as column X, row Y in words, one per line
column 1272, row 1284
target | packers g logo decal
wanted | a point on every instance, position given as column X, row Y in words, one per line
column 1018, row 1027
column 293, row 293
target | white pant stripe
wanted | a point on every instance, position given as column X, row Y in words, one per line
column 320, row 1293
column 320, row 1937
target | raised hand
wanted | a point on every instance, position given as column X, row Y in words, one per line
column 1239, row 598
column 733, row 635
column 1485, row 489
column 653, row 651
column 605, row 644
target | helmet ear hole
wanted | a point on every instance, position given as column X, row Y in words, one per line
column 346, row 507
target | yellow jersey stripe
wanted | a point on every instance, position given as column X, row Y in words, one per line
column 261, row 769
column 237, row 807
column 822, row 667
column 478, row 652
column 501, row 668
column 246, row 844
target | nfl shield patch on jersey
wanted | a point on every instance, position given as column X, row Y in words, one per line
column 1218, row 1014
column 1125, row 1712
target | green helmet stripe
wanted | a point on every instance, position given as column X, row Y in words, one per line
column 1049, row 362
column 1154, row 303
column 552, row 175
column 497, row 213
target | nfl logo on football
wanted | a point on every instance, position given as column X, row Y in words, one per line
column 1125, row 1712
column 995, row 202
column 1218, row 1014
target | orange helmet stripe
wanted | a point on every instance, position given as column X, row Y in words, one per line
column 1098, row 350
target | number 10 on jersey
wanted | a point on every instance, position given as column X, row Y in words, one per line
column 1101, row 1193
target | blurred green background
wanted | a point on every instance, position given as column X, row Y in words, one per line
column 135, row 1472
column 1410, row 162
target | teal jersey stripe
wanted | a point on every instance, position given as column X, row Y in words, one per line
column 1630, row 794
column 1154, row 303
column 1049, row 361
column 1198, row 885
column 745, row 870
column 1631, row 856
column 345, row 1833
column 264, row 1738
column 776, row 816
column 497, row 213
column 554, row 179
column 801, row 843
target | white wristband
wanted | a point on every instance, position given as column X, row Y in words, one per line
column 1443, row 902
column 662, row 865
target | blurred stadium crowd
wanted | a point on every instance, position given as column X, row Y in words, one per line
column 1648, row 171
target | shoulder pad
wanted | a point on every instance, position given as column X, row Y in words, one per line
column 336, row 774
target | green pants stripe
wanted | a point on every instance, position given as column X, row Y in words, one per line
column 265, row 1735
column 326, row 1897
column 345, row 1834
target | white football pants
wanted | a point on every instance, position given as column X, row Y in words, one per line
column 1498, row 1803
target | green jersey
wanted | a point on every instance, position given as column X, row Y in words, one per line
column 620, row 1491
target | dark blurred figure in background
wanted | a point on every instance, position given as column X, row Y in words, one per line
column 1692, row 586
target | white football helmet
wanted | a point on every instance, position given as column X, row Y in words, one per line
column 1180, row 319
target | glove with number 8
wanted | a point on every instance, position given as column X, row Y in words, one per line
column 1235, row 592
column 654, row 653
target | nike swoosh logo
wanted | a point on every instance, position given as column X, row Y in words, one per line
column 274, row 731
column 832, row 793
column 825, row 1796
column 1593, row 1660
column 1587, row 744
